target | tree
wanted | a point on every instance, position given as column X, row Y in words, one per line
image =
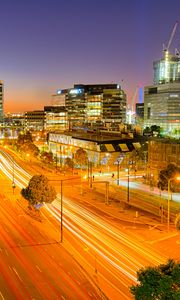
column 69, row 163
column 177, row 222
column 166, row 174
column 39, row 190
column 25, row 144
column 24, row 138
column 147, row 131
column 158, row 283
column 154, row 130
column 30, row 148
column 47, row 157
column 81, row 157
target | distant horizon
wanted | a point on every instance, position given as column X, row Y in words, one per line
column 49, row 104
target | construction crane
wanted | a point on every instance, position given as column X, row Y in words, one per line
column 166, row 49
column 131, row 108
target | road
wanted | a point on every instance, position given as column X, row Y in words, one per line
column 33, row 264
column 109, row 255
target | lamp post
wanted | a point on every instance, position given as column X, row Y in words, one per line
column 128, row 164
column 118, row 172
column 60, row 150
column 61, row 198
column 169, row 196
column 13, row 182
column 90, row 174
column 127, row 170
column 61, row 213
column 128, row 187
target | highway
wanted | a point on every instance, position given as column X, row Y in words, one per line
column 109, row 255
column 31, row 267
column 32, row 262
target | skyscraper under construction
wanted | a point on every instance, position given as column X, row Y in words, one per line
column 162, row 99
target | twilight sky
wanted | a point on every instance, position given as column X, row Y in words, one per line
column 51, row 44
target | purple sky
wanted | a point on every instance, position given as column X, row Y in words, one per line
column 51, row 44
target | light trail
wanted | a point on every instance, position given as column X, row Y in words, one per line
column 83, row 237
column 120, row 255
column 111, row 230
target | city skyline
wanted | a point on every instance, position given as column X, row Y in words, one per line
column 51, row 45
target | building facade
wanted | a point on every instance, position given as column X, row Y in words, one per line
column 34, row 120
column 162, row 152
column 88, row 105
column 55, row 118
column 167, row 69
column 102, row 149
column 139, row 113
column 162, row 100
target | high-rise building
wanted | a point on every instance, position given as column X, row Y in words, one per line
column 93, row 103
column 59, row 98
column 162, row 100
column 1, row 101
column 139, row 113
column 167, row 69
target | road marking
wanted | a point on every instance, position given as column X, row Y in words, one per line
column 1, row 295
column 17, row 274
column 38, row 269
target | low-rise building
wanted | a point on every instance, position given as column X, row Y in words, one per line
column 162, row 152
column 34, row 120
column 101, row 148
column 55, row 118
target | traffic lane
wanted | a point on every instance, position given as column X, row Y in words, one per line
column 120, row 265
column 106, row 272
column 25, row 266
column 51, row 274
column 107, row 226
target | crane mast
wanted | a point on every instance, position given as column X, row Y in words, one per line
column 166, row 49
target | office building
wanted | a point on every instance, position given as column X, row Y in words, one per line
column 59, row 98
column 139, row 113
column 92, row 104
column 34, row 120
column 102, row 149
column 161, row 153
column 162, row 100
column 55, row 118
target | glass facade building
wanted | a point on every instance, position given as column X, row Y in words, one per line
column 93, row 103
column 55, row 118
column 167, row 69
column 162, row 100
column 162, row 106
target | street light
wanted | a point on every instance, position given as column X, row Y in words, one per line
column 61, row 198
column 90, row 175
column 13, row 182
column 127, row 170
column 128, row 187
column 169, row 196
column 118, row 172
